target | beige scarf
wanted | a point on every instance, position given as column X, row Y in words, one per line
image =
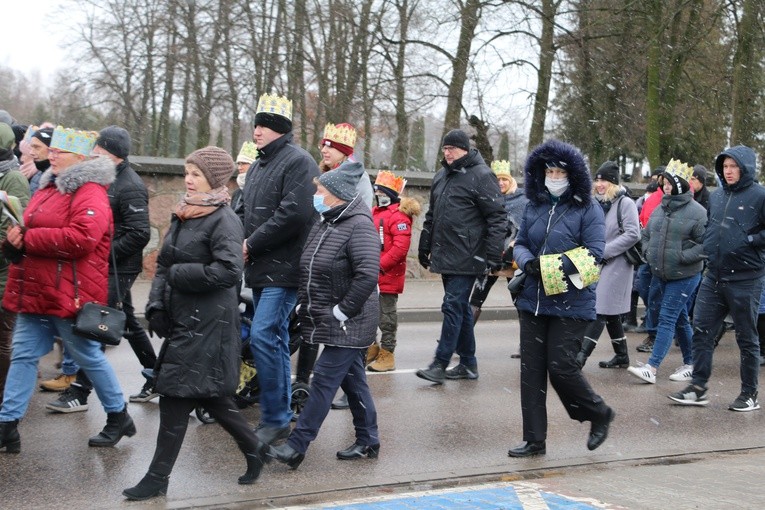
column 196, row 205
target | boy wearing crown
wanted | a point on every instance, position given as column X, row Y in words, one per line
column 392, row 217
column 278, row 212
column 734, row 244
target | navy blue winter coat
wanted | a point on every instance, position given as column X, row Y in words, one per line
column 575, row 220
column 735, row 237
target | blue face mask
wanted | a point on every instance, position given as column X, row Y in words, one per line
column 319, row 205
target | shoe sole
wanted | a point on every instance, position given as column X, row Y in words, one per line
column 379, row 371
column 640, row 376
column 67, row 410
column 680, row 379
column 688, row 402
column 523, row 456
column 143, row 400
column 466, row 377
column 423, row 376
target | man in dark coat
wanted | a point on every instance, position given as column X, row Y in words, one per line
column 734, row 243
column 461, row 239
column 699, row 185
column 129, row 201
column 278, row 209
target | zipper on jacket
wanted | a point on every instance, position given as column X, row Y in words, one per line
column 542, row 252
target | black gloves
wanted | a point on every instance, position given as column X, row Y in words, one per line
column 507, row 257
column 533, row 268
column 493, row 266
column 424, row 257
column 160, row 323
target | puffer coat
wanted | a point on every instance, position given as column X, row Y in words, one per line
column 68, row 222
column 550, row 228
column 394, row 225
column 339, row 266
column 672, row 241
column 129, row 201
column 197, row 281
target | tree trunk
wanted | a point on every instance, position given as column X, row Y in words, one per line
column 544, row 73
column 747, row 62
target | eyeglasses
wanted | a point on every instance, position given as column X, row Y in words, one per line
column 449, row 148
column 56, row 152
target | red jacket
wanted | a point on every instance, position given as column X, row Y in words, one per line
column 68, row 221
column 649, row 204
column 394, row 225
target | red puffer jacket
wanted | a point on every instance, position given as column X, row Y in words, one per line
column 68, row 221
column 394, row 224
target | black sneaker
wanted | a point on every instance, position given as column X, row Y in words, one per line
column 647, row 345
column 462, row 372
column 71, row 400
column 435, row 373
column 744, row 403
column 691, row 396
column 146, row 394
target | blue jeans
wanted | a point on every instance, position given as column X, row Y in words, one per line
column 269, row 341
column 33, row 339
column 68, row 365
column 714, row 301
column 673, row 317
column 457, row 327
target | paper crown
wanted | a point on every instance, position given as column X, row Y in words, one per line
column 554, row 279
column 344, row 134
column 501, row 167
column 278, row 105
column 73, row 140
column 679, row 169
column 390, row 181
column 248, row 153
column 31, row 130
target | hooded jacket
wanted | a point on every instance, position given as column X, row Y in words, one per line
column 339, row 267
column 735, row 235
column 549, row 228
column 68, row 222
column 129, row 201
column 394, row 226
column 278, row 213
column 466, row 222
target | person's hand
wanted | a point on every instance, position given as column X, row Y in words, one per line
column 533, row 268
column 15, row 236
column 28, row 169
column 493, row 266
column 159, row 323
column 244, row 250
column 424, row 257
column 507, row 256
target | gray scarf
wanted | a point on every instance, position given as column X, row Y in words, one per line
column 8, row 165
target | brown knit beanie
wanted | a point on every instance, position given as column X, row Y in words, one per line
column 215, row 163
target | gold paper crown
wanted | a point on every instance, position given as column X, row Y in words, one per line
column 248, row 153
column 678, row 168
column 278, row 105
column 501, row 167
column 341, row 133
column 390, row 181
column 73, row 140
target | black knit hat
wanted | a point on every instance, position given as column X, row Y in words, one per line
column 700, row 173
column 215, row 163
column 273, row 121
column 679, row 185
column 608, row 171
column 457, row 138
column 45, row 135
column 114, row 140
column 389, row 192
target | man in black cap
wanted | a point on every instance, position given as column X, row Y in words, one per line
column 699, row 185
column 39, row 143
column 462, row 238
column 129, row 201
column 278, row 212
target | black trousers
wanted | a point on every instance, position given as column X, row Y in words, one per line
column 174, row 420
column 548, row 347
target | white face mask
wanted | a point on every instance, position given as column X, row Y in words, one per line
column 556, row 187
column 382, row 200
column 240, row 178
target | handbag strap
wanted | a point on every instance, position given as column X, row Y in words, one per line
column 118, row 304
column 619, row 214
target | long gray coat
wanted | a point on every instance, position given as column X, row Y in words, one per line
column 615, row 286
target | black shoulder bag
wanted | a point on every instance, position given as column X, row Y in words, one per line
column 634, row 254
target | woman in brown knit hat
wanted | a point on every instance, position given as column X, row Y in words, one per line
column 193, row 305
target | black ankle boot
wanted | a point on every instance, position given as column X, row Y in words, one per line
column 621, row 359
column 150, row 486
column 588, row 345
column 117, row 425
column 356, row 451
column 286, row 454
column 528, row 449
column 9, row 437
column 599, row 430
column 255, row 463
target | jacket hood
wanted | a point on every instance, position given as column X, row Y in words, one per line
column 410, row 206
column 571, row 160
column 747, row 163
column 100, row 170
column 472, row 158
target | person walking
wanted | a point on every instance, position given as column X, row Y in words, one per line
column 278, row 195
column 461, row 239
column 393, row 218
column 734, row 244
column 340, row 309
column 193, row 306
column 60, row 262
column 560, row 243
column 673, row 247
column 614, row 289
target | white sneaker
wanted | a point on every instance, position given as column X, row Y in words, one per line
column 646, row 372
column 684, row 374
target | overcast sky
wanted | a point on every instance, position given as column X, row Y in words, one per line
column 29, row 38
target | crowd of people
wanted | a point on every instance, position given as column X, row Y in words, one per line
column 320, row 241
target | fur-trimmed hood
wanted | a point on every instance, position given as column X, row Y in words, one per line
column 410, row 206
column 99, row 169
column 571, row 160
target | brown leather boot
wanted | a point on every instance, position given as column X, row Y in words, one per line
column 385, row 362
column 372, row 352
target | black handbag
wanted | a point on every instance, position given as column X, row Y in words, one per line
column 634, row 254
column 98, row 322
